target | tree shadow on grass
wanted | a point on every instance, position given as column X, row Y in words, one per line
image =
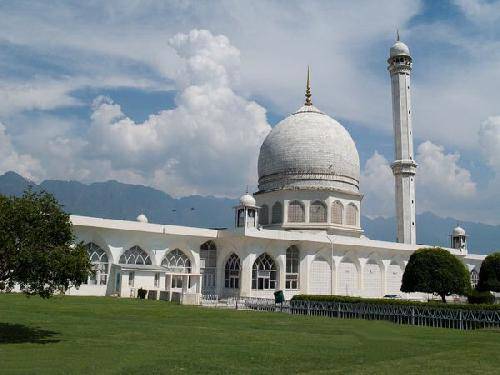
column 19, row 334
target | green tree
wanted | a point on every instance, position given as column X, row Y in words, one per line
column 436, row 271
column 489, row 274
column 37, row 247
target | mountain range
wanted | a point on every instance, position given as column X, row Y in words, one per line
column 116, row 200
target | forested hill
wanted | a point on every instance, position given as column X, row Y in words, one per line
column 115, row 200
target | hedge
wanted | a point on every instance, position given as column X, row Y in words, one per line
column 476, row 297
column 381, row 301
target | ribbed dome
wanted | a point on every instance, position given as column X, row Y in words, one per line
column 399, row 49
column 247, row 200
column 308, row 150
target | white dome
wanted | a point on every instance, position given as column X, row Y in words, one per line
column 399, row 49
column 247, row 200
column 459, row 231
column 142, row 218
column 309, row 150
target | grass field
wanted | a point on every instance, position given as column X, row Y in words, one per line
column 80, row 335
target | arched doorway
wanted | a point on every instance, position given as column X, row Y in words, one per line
column 208, row 259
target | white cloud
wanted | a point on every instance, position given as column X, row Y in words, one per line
column 480, row 11
column 377, row 182
column 208, row 144
column 489, row 140
column 41, row 95
column 442, row 185
column 277, row 41
column 10, row 160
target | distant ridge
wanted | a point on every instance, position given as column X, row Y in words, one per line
column 116, row 200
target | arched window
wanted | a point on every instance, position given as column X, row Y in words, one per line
column 474, row 278
column 351, row 214
column 277, row 213
column 100, row 264
column 337, row 212
column 292, row 268
column 264, row 273
column 264, row 215
column 208, row 258
column 296, row 212
column 232, row 272
column 176, row 261
column 135, row 255
column 251, row 218
column 317, row 212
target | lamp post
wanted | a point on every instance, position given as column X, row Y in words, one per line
column 330, row 238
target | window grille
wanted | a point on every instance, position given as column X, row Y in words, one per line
column 474, row 278
column 317, row 212
column 176, row 261
column 277, row 213
column 208, row 258
column 292, row 268
column 264, row 273
column 232, row 272
column 135, row 255
column 337, row 212
column 351, row 215
column 100, row 264
column 264, row 215
column 296, row 212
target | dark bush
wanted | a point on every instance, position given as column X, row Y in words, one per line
column 480, row 297
column 141, row 293
column 489, row 274
column 436, row 271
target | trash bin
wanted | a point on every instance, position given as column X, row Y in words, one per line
column 279, row 297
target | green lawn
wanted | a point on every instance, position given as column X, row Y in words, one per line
column 67, row 335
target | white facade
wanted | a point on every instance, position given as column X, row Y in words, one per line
column 325, row 264
column 299, row 233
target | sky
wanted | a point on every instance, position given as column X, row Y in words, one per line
column 179, row 95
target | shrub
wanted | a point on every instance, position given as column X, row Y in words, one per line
column 437, row 271
column 480, row 297
column 141, row 293
column 489, row 274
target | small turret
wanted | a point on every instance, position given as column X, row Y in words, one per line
column 246, row 212
column 459, row 239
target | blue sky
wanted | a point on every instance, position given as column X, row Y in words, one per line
column 179, row 95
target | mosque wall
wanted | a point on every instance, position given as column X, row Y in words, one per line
column 362, row 268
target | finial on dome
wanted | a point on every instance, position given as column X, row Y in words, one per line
column 397, row 35
column 308, row 89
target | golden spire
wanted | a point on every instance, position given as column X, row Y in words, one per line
column 308, row 89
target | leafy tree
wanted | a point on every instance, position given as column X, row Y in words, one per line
column 489, row 274
column 435, row 270
column 37, row 249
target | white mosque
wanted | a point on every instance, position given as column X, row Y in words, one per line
column 300, row 232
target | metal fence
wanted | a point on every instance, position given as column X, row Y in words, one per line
column 411, row 315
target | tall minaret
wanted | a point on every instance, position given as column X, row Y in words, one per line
column 404, row 166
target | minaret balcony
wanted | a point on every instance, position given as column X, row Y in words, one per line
column 405, row 167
